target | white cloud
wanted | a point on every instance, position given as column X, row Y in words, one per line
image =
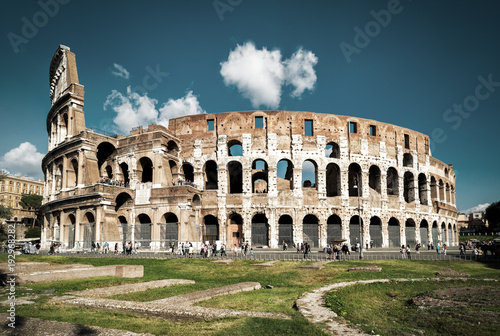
column 300, row 72
column 134, row 110
column 121, row 71
column 260, row 75
column 477, row 208
column 23, row 160
column 187, row 105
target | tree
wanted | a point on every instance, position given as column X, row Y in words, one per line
column 5, row 212
column 493, row 214
column 31, row 202
column 33, row 232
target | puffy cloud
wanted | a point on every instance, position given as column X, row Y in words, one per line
column 187, row 105
column 120, row 71
column 23, row 160
column 133, row 109
column 299, row 71
column 260, row 75
column 477, row 208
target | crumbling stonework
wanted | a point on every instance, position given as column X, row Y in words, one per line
column 261, row 177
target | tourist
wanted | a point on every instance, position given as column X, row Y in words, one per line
column 408, row 251
column 251, row 253
column 235, row 251
column 444, row 249
column 116, row 248
column 402, row 250
column 437, row 248
column 223, row 250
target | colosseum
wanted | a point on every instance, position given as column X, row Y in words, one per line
column 261, row 177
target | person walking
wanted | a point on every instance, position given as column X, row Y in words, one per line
column 444, row 249
column 437, row 248
column 408, row 252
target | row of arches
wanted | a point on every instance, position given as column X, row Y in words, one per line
column 393, row 233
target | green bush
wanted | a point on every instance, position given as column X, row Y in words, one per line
column 33, row 232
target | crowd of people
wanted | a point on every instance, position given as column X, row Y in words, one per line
column 112, row 182
column 185, row 182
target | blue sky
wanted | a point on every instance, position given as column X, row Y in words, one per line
column 408, row 68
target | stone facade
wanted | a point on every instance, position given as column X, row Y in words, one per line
column 261, row 177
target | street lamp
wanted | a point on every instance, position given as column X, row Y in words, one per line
column 359, row 218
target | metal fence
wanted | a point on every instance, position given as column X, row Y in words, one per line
column 279, row 256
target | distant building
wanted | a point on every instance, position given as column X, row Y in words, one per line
column 12, row 188
column 462, row 221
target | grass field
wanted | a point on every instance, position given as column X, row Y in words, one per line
column 289, row 283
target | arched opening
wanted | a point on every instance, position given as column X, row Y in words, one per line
column 285, row 175
column 409, row 185
column 332, row 150
column 310, row 230
column 332, row 180
column 394, row 236
column 234, row 148
column 441, row 191
column 170, row 229
column 450, row 239
column 446, row 172
column 410, row 232
column 73, row 174
column 142, row 232
column 354, row 229
column 444, row 234
column 124, row 171
column 235, row 227
column 435, row 233
column 88, row 230
column 235, row 171
column 407, row 160
column 422, row 188
column 188, row 170
column 174, row 171
column 333, row 229
column 196, row 201
column 211, row 229
column 211, row 175
column 448, row 194
column 424, row 233
column 260, row 230
column 59, row 177
column 392, row 182
column 434, row 188
column 172, row 148
column 64, row 127
column 105, row 153
column 146, row 170
column 285, row 230
column 259, row 176
column 71, row 231
column 124, row 229
column 109, row 171
column 375, row 232
column 355, row 180
column 309, row 174
column 123, row 200
column 374, row 179
column 453, row 195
